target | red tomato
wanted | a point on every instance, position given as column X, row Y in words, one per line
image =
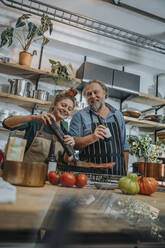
column 67, row 179
column 53, row 177
column 81, row 180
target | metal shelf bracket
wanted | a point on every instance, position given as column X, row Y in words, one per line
column 88, row 24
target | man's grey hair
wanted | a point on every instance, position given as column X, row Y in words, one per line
column 103, row 86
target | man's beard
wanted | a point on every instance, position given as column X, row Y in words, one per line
column 97, row 107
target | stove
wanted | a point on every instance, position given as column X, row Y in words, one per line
column 103, row 178
column 103, row 181
column 93, row 178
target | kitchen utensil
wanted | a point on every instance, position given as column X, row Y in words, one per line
column 56, row 92
column 60, row 135
column 28, row 90
column 150, row 169
column 3, row 114
column 24, row 173
column 161, row 136
column 20, row 87
column 5, row 59
column 79, row 163
column 152, row 117
column 160, row 172
column 106, row 185
column 41, row 95
column 161, row 139
column 132, row 113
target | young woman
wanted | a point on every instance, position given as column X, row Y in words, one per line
column 37, row 130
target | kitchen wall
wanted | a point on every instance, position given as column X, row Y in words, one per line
column 70, row 45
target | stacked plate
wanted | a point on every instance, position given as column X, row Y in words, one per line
column 161, row 136
column 153, row 117
column 132, row 113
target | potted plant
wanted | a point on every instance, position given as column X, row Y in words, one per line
column 143, row 148
column 62, row 73
column 26, row 33
column 148, row 153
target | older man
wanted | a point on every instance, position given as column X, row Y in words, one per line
column 89, row 128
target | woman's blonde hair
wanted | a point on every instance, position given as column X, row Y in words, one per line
column 98, row 82
column 61, row 96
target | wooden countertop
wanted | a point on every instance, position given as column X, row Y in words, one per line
column 34, row 207
column 29, row 210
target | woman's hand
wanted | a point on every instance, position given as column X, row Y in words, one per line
column 69, row 140
column 44, row 118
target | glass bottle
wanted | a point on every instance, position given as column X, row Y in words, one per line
column 108, row 133
column 51, row 159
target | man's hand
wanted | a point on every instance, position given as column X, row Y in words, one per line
column 68, row 159
column 100, row 132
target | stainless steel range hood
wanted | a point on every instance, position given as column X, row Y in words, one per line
column 114, row 91
column 121, row 84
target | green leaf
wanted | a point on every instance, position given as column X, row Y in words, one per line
column 3, row 42
column 70, row 67
column 39, row 33
column 20, row 21
column 55, row 78
column 10, row 40
column 25, row 16
column 45, row 41
column 6, row 36
column 20, row 24
column 31, row 30
column 52, row 61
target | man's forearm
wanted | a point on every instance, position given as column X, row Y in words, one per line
column 81, row 142
column 126, row 158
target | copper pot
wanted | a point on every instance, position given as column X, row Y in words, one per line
column 150, row 169
column 25, row 173
column 160, row 172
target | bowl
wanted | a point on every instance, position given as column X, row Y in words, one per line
column 132, row 113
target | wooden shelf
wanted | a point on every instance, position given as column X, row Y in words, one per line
column 131, row 121
column 148, row 100
column 24, row 101
column 3, row 129
column 20, row 70
column 32, row 74
column 144, row 123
